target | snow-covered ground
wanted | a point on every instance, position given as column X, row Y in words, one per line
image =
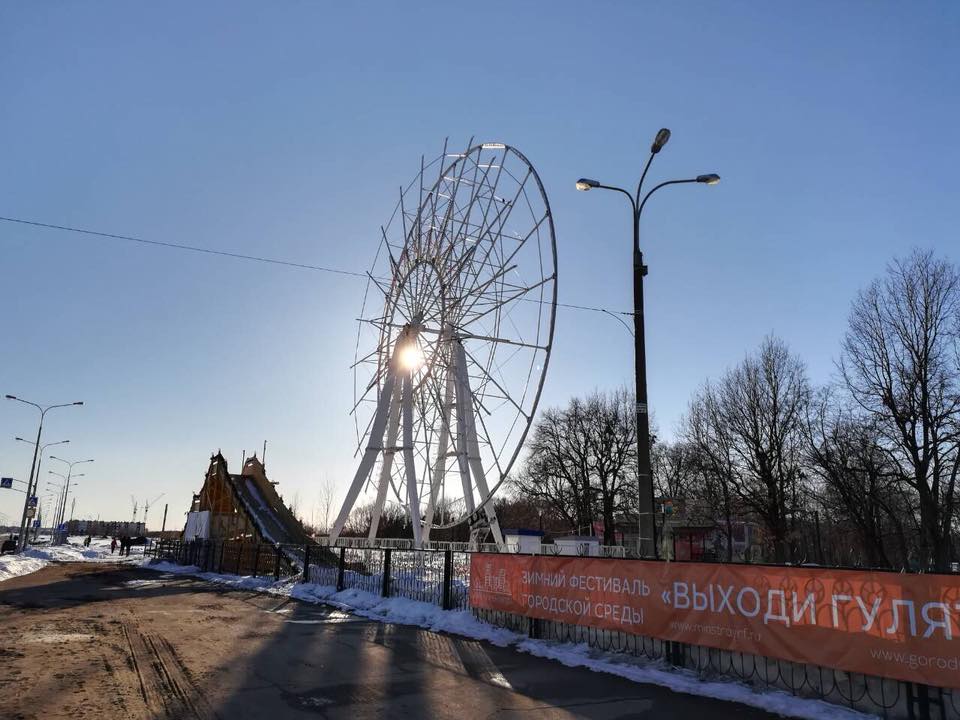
column 38, row 556
column 461, row 622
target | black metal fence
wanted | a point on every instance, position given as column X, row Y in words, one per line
column 442, row 577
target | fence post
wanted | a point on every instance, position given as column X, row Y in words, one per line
column 385, row 587
column 276, row 564
column 340, row 568
column 220, row 565
column 533, row 628
column 256, row 560
column 447, row 578
column 306, row 563
column 239, row 557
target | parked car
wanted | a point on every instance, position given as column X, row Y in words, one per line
column 9, row 545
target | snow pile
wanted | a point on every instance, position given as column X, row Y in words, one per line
column 402, row 611
column 12, row 566
column 74, row 551
column 38, row 556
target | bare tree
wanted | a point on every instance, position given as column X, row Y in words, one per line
column 557, row 470
column 582, row 461
column 857, row 481
column 750, row 427
column 711, row 459
column 325, row 504
column 295, row 506
column 901, row 363
column 612, row 439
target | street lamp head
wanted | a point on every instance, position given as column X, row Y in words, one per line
column 585, row 184
column 10, row 397
column 663, row 134
column 79, row 402
column 709, row 179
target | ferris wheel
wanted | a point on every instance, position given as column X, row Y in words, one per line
column 453, row 342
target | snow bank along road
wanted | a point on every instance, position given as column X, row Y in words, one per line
column 94, row 640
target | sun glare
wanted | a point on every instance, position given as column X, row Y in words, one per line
column 411, row 357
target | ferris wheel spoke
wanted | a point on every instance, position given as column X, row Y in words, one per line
column 516, row 296
column 464, row 226
column 505, row 341
column 483, row 223
column 490, row 282
column 495, row 383
column 500, row 219
column 519, row 247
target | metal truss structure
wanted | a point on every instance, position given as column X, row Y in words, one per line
column 453, row 342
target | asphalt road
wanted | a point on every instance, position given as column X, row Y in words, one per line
column 111, row 642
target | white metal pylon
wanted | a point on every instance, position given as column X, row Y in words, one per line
column 394, row 417
column 440, row 464
column 387, row 406
column 469, row 450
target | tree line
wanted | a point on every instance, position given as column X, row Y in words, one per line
column 861, row 471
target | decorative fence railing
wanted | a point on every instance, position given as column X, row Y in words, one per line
column 442, row 577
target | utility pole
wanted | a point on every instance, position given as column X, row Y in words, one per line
column 163, row 528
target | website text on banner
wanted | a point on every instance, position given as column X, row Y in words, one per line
column 898, row 626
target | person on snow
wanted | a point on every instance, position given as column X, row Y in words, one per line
column 113, row 546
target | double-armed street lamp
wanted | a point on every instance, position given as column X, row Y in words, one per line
column 39, row 464
column 647, row 524
column 34, row 476
column 66, row 489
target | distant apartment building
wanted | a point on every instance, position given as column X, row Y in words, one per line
column 106, row 528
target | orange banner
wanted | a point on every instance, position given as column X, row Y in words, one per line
column 885, row 624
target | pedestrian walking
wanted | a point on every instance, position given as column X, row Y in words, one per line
column 113, row 546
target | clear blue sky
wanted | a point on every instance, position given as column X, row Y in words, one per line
column 285, row 129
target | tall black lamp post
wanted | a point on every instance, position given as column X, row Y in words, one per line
column 645, row 501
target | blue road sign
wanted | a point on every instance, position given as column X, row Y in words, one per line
column 6, row 482
column 36, row 523
column 33, row 501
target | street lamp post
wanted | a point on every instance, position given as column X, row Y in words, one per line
column 57, row 490
column 22, row 540
column 647, row 523
column 66, row 489
column 39, row 464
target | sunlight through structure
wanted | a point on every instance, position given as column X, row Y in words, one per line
column 454, row 342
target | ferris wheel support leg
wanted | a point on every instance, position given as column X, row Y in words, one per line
column 462, row 460
column 374, row 446
column 465, row 403
column 409, row 467
column 440, row 466
column 389, row 450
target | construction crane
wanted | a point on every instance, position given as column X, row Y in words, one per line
column 134, row 501
column 146, row 509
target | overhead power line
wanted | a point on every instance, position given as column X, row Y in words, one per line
column 180, row 246
column 254, row 258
